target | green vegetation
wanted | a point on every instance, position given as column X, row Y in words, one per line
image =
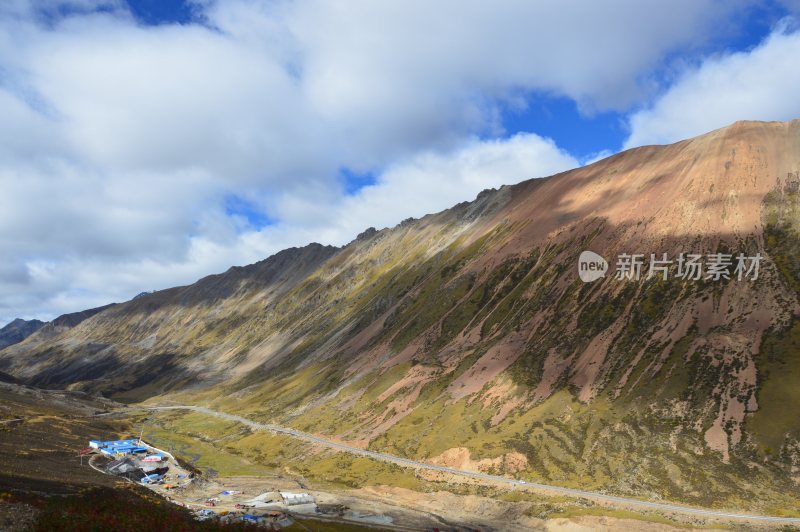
column 648, row 517
column 225, row 449
column 354, row 472
column 782, row 230
column 203, row 452
column 775, row 425
column 775, row 420
column 336, row 470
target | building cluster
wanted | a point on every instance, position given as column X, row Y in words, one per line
column 131, row 459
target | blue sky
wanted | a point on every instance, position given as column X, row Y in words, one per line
column 162, row 11
column 161, row 141
column 559, row 118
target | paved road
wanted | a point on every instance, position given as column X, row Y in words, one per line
column 593, row 495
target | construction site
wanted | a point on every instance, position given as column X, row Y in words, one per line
column 160, row 471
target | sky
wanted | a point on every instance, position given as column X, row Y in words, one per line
column 147, row 143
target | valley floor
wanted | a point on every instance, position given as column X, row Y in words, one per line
column 218, row 442
column 485, row 478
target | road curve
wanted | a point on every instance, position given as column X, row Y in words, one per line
column 663, row 506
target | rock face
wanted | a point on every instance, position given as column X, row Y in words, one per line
column 17, row 331
column 471, row 329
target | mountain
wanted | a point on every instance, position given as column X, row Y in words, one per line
column 5, row 377
column 47, row 330
column 468, row 338
column 18, row 330
column 68, row 321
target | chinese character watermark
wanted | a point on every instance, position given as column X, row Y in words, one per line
column 686, row 266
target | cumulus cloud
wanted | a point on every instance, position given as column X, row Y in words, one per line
column 431, row 181
column 760, row 84
column 121, row 144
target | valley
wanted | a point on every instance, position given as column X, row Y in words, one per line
column 451, row 353
column 50, row 480
column 483, row 478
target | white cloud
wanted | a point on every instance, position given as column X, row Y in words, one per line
column 760, row 84
column 426, row 183
column 119, row 142
column 431, row 181
column 425, row 72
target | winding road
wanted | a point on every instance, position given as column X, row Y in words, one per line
column 572, row 492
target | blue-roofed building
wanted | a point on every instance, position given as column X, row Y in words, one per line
column 111, row 448
column 114, row 443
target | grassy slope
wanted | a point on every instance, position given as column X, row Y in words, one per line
column 565, row 441
column 776, row 425
column 41, row 453
column 275, row 455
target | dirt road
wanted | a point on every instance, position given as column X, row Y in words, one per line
column 533, row 486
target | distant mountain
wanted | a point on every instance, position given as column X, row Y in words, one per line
column 468, row 338
column 17, row 331
column 51, row 329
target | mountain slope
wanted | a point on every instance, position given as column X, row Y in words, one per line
column 466, row 337
column 17, row 331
